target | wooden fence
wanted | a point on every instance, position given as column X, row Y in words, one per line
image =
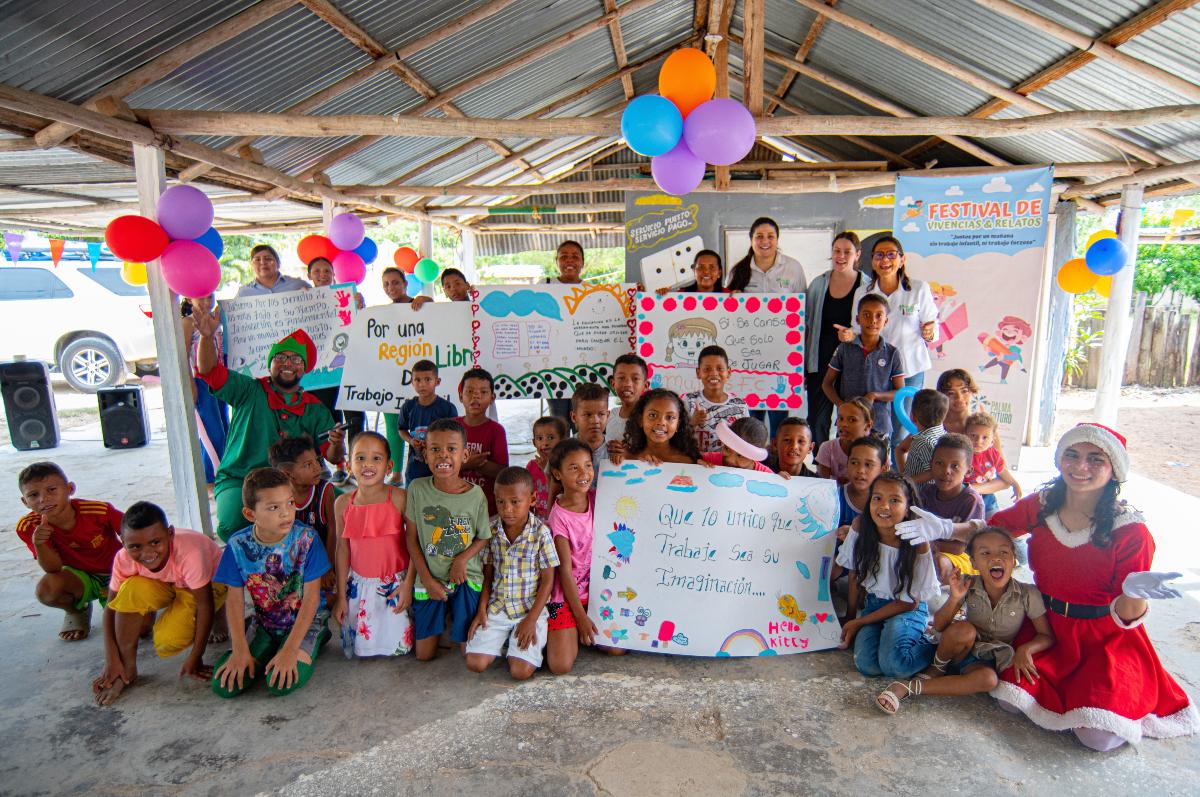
column 1164, row 349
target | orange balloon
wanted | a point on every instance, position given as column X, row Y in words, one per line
column 1103, row 286
column 406, row 259
column 1076, row 277
column 687, row 78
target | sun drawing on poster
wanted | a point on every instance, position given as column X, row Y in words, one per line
column 626, row 507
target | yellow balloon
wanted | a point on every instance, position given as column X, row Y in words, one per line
column 133, row 273
column 1103, row 286
column 1076, row 277
column 1099, row 235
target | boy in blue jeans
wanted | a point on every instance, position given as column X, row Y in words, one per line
column 417, row 413
column 446, row 526
column 280, row 561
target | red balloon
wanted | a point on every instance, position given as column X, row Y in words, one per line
column 406, row 259
column 135, row 238
column 313, row 246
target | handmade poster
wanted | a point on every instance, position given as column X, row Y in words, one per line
column 763, row 334
column 980, row 244
column 662, row 236
column 255, row 323
column 386, row 341
column 541, row 341
column 697, row 561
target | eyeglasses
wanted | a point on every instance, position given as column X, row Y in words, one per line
column 289, row 358
column 891, row 257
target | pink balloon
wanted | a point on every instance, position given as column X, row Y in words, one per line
column 184, row 212
column 677, row 172
column 190, row 269
column 349, row 267
column 346, row 231
column 720, row 131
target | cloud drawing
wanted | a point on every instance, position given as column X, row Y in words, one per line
column 997, row 185
column 911, row 227
column 908, row 200
column 521, row 303
column 954, row 191
column 1036, row 188
column 766, row 488
column 725, row 480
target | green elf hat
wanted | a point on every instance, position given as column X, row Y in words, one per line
column 296, row 343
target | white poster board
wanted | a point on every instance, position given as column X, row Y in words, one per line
column 810, row 247
column 763, row 334
column 698, row 561
column 253, row 324
column 386, row 341
column 541, row 341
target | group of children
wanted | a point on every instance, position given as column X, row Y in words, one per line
column 500, row 556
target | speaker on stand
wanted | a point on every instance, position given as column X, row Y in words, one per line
column 123, row 419
column 29, row 405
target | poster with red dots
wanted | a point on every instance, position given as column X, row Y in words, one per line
column 763, row 334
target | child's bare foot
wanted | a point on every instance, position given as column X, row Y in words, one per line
column 107, row 695
column 77, row 624
column 220, row 629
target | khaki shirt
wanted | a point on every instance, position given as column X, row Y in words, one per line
column 997, row 627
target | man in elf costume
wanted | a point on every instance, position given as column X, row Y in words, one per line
column 263, row 410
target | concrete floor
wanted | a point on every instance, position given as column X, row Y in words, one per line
column 641, row 724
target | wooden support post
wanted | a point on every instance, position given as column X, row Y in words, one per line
column 425, row 246
column 187, row 472
column 723, row 10
column 1117, row 324
column 467, row 259
column 752, row 56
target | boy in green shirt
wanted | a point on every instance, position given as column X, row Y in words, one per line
column 446, row 526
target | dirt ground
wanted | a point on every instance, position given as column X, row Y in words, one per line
column 1161, row 425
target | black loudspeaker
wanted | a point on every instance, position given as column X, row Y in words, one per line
column 123, row 420
column 29, row 405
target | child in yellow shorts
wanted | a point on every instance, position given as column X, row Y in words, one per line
column 159, row 568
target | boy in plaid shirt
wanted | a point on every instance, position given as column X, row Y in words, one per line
column 519, row 564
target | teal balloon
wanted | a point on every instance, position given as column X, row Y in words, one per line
column 413, row 285
column 1106, row 257
column 901, row 412
column 426, row 270
column 651, row 125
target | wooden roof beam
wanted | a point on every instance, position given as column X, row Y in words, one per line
column 752, row 56
column 618, row 44
column 806, row 45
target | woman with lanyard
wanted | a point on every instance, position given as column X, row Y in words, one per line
column 912, row 315
column 765, row 269
column 569, row 261
column 829, row 304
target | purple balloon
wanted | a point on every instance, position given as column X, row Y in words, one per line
column 677, row 172
column 184, row 212
column 720, row 131
column 347, row 232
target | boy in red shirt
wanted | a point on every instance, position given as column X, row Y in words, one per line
column 487, row 443
column 73, row 540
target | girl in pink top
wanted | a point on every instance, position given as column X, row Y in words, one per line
column 375, row 583
column 547, row 432
column 570, row 522
column 854, row 419
column 743, row 445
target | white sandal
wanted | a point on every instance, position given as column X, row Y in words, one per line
column 889, row 703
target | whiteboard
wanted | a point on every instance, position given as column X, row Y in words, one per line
column 811, row 247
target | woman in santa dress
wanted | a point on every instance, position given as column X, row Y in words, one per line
column 1091, row 556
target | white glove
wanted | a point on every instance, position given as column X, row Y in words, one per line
column 928, row 527
column 1148, row 585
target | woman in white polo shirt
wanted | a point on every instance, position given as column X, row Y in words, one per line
column 765, row 269
column 911, row 314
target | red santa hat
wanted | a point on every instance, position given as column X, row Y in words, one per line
column 1107, row 440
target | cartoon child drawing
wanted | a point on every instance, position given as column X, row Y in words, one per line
column 686, row 338
column 914, row 209
column 951, row 319
column 1004, row 347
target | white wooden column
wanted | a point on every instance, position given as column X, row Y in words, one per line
column 468, row 255
column 328, row 211
column 183, row 446
column 425, row 247
column 1117, row 320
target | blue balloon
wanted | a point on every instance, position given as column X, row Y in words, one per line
column 651, row 125
column 415, row 286
column 1106, row 257
column 212, row 241
column 367, row 250
column 899, row 410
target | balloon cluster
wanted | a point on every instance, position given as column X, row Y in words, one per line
column 183, row 237
column 419, row 270
column 346, row 246
column 682, row 128
column 1103, row 257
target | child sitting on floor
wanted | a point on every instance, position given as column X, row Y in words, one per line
column 548, row 431
column 928, row 411
column 375, row 582
column 659, row 431
column 742, row 446
column 854, row 419
column 159, row 568
column 519, row 563
column 889, row 635
column 973, row 651
column 280, row 562
column 710, row 405
column 446, row 526
column 629, row 383
column 792, row 445
column 946, row 496
column 74, row 542
column 989, row 474
column 486, row 441
column 868, row 458
column 312, row 493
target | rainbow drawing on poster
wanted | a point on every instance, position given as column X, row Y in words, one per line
column 749, row 634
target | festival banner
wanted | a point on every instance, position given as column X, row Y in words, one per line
column 698, row 561
column 386, row 341
column 253, row 324
column 980, row 244
column 541, row 341
column 763, row 334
